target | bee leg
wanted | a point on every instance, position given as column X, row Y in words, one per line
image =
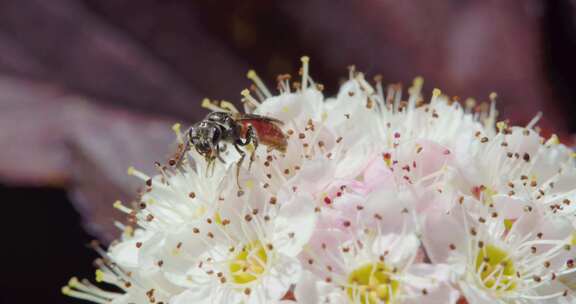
column 217, row 149
column 207, row 167
column 213, row 161
column 251, row 136
column 239, row 164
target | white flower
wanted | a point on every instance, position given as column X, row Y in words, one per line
column 370, row 256
column 249, row 249
column 202, row 238
column 498, row 260
column 376, row 199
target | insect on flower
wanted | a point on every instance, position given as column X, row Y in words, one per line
column 210, row 136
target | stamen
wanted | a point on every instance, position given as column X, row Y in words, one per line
column 207, row 104
column 372, row 283
column 414, row 92
column 87, row 288
column 67, row 291
column 226, row 105
column 491, row 119
column 553, row 140
column 435, row 94
column 176, row 129
column 534, row 121
column 249, row 98
column 249, row 264
column 118, row 205
column 139, row 174
column 351, row 72
column 261, row 86
column 305, row 60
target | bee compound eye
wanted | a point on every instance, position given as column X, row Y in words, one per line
column 193, row 135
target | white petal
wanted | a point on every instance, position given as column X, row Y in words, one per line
column 285, row 272
column 400, row 248
column 440, row 233
column 294, row 225
column 436, row 280
column 194, row 295
column 509, row 207
column 125, row 253
column 476, row 296
column 306, row 291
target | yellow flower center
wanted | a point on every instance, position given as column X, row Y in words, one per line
column 496, row 269
column 508, row 224
column 371, row 283
column 249, row 264
column 485, row 193
column 573, row 239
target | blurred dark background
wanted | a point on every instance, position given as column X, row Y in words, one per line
column 90, row 87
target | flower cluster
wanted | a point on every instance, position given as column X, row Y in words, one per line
column 378, row 198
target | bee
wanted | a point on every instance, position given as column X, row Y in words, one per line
column 210, row 136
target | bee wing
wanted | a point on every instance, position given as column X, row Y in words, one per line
column 248, row 117
column 267, row 129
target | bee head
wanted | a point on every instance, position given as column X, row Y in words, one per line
column 204, row 136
